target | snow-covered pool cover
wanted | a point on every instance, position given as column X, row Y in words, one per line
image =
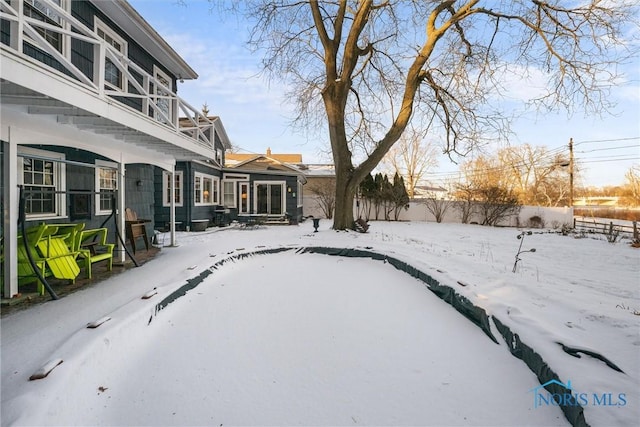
column 269, row 341
column 581, row 292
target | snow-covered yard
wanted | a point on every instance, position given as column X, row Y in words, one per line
column 307, row 339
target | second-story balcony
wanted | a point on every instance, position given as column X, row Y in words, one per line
column 99, row 79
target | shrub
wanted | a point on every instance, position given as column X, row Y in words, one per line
column 536, row 222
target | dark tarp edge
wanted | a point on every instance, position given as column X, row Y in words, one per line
column 572, row 351
column 573, row 413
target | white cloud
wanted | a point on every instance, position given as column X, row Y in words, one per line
column 228, row 74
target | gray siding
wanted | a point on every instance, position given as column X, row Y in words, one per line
column 188, row 211
column 139, row 190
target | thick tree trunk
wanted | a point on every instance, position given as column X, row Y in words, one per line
column 345, row 193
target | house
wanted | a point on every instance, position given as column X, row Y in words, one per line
column 90, row 123
column 319, row 195
column 263, row 185
column 198, row 184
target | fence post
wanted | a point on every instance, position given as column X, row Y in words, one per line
column 610, row 228
column 636, row 237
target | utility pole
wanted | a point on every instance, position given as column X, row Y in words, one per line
column 571, row 172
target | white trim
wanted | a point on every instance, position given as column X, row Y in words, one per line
column 215, row 187
column 300, row 194
column 101, row 164
column 59, row 176
column 283, row 186
column 179, row 186
column 99, row 24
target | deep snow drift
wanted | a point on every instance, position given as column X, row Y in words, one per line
column 310, row 339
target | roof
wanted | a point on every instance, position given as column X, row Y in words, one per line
column 320, row 171
column 263, row 164
column 127, row 18
column 236, row 158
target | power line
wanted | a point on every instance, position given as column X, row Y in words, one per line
column 606, row 140
column 610, row 148
column 611, row 160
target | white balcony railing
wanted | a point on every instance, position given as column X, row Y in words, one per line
column 150, row 95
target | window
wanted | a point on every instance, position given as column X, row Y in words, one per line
column 41, row 12
column 166, row 185
column 229, row 194
column 106, row 186
column 205, row 189
column 162, row 98
column 270, row 198
column 43, row 180
column 113, row 77
column 299, row 194
column 244, row 197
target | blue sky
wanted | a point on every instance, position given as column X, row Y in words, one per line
column 256, row 115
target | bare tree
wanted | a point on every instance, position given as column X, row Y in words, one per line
column 535, row 174
column 371, row 66
column 324, row 190
column 439, row 207
column 464, row 201
column 496, row 204
column 632, row 186
column 411, row 157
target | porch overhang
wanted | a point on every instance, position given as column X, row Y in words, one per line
column 29, row 89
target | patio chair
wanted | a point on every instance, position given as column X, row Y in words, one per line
column 58, row 258
column 135, row 228
column 70, row 233
column 26, row 273
column 92, row 247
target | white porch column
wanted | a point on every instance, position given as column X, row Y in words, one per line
column 17, row 27
column 10, row 213
column 172, row 206
column 121, row 207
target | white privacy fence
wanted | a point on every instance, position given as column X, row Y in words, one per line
column 529, row 216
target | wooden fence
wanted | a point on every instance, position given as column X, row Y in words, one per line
column 610, row 229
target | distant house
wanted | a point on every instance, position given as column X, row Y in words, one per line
column 263, row 185
column 429, row 191
column 233, row 159
column 319, row 196
column 90, row 123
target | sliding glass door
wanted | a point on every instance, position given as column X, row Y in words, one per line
column 270, row 198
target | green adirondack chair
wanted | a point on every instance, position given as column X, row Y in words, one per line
column 58, row 258
column 26, row 273
column 92, row 247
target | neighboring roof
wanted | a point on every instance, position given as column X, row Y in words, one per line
column 132, row 23
column 267, row 165
column 235, row 158
column 427, row 191
column 320, row 171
